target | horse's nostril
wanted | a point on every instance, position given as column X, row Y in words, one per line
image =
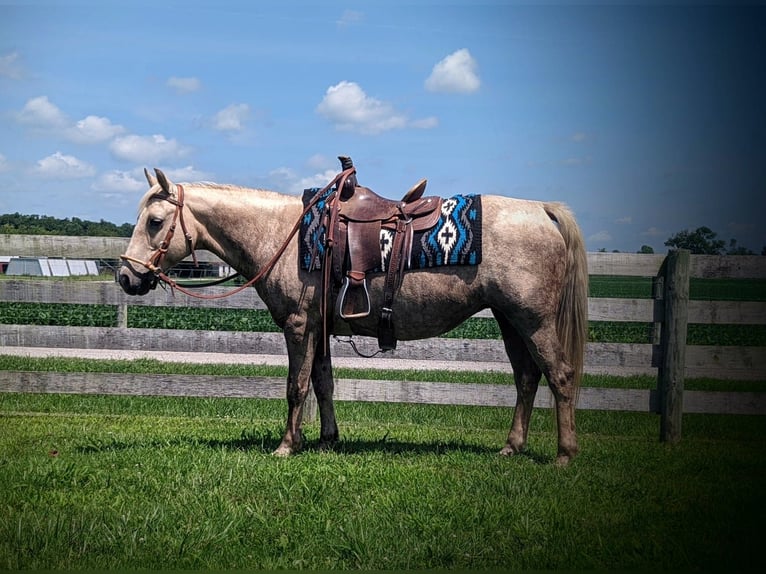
column 126, row 285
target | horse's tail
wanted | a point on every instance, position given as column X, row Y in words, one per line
column 572, row 314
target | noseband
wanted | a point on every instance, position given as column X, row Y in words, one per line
column 154, row 263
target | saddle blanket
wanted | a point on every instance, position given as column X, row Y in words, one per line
column 454, row 240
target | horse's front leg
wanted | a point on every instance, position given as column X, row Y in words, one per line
column 322, row 379
column 301, row 349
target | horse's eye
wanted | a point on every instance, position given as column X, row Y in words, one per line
column 155, row 224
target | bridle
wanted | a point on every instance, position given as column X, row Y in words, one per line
column 154, row 262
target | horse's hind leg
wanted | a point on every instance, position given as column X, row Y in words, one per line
column 526, row 375
column 324, row 384
column 549, row 355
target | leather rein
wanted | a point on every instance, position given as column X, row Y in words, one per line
column 154, row 263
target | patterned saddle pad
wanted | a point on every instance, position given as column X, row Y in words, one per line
column 454, row 240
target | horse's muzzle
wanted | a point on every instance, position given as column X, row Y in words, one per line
column 134, row 283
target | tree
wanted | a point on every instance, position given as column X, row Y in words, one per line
column 735, row 249
column 646, row 249
column 701, row 241
column 16, row 223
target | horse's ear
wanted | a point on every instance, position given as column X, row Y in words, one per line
column 150, row 178
column 163, row 181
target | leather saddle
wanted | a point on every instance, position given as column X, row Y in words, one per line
column 355, row 217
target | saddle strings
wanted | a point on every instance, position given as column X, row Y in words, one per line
column 350, row 341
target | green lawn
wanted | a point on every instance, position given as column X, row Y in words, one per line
column 137, row 482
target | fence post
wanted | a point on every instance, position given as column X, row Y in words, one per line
column 670, row 377
column 122, row 315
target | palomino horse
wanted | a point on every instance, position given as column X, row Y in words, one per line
column 533, row 276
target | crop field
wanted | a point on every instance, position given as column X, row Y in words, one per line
column 475, row 328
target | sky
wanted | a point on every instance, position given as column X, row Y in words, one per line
column 646, row 119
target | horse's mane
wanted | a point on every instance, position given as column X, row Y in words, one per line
column 213, row 185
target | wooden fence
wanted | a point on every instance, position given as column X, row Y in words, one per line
column 667, row 357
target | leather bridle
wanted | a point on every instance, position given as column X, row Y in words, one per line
column 154, row 263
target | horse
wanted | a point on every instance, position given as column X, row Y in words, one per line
column 532, row 276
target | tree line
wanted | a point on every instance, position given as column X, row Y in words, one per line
column 18, row 224
column 702, row 241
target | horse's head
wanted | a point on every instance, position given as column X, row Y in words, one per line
column 154, row 246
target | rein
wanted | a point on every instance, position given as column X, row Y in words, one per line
column 154, row 263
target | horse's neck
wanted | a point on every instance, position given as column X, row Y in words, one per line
column 244, row 227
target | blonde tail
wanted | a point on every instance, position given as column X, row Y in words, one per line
column 572, row 314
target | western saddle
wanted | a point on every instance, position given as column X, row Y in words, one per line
column 354, row 217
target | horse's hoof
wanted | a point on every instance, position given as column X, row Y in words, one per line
column 563, row 460
column 326, row 446
column 283, row 451
column 508, row 450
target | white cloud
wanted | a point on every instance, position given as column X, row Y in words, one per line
column 457, row 73
column 184, row 85
column 9, row 67
column 600, row 237
column 624, row 220
column 93, row 129
column 350, row 17
column 426, row 123
column 187, row 173
column 316, row 180
column 120, row 181
column 4, row 165
column 288, row 181
column 351, row 109
column 579, row 137
column 231, row 118
column 146, row 149
column 60, row 166
column 42, row 113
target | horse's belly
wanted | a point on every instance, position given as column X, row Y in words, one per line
column 428, row 304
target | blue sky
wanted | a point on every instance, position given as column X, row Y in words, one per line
column 646, row 119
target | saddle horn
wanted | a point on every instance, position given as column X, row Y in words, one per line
column 351, row 182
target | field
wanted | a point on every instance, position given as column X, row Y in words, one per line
column 254, row 320
column 103, row 482
column 161, row 483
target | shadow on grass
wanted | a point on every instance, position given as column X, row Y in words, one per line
column 265, row 441
column 388, row 446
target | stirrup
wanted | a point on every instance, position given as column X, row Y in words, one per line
column 342, row 299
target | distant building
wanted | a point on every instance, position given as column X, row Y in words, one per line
column 42, row 266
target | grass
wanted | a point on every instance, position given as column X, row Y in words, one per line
column 153, row 366
column 93, row 482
